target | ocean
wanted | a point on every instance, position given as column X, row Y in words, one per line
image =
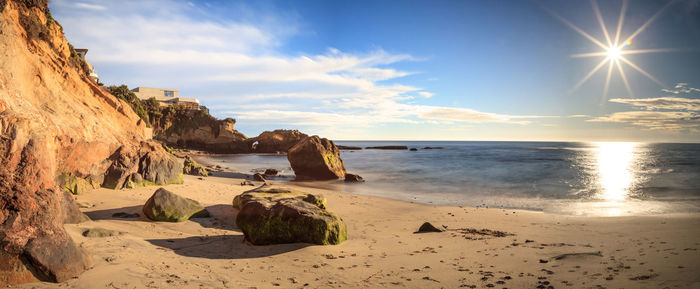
column 592, row 179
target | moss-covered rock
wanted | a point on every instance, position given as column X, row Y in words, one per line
column 276, row 215
column 193, row 168
column 166, row 206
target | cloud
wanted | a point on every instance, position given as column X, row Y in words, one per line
column 661, row 113
column 656, row 120
column 673, row 103
column 237, row 65
column 681, row 88
column 88, row 6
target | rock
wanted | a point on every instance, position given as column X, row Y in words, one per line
column 136, row 178
column 124, row 215
column 413, row 149
column 194, row 129
column 349, row 148
column 277, row 215
column 71, row 211
column 316, row 158
column 434, row 148
column 247, row 183
column 258, row 177
column 428, row 227
column 353, row 178
column 388, row 148
column 168, row 207
column 271, row 172
column 280, row 140
column 99, row 233
column 193, row 168
column 149, row 163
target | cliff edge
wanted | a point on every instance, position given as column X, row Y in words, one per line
column 58, row 131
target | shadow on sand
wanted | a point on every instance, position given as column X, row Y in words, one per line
column 222, row 247
column 221, row 216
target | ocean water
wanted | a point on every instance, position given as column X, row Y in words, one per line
column 595, row 179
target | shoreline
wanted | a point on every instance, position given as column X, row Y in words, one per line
column 382, row 249
column 564, row 207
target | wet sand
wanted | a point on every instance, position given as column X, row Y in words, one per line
column 539, row 250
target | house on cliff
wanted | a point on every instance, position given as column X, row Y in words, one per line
column 91, row 70
column 166, row 97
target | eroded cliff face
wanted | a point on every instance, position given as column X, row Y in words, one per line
column 217, row 136
column 56, row 127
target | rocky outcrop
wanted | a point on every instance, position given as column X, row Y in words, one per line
column 280, row 140
column 387, row 148
column 148, row 164
column 196, row 130
column 165, row 206
column 276, row 215
column 193, row 168
column 271, row 172
column 316, row 158
column 54, row 121
column 349, row 148
column 258, row 177
column 353, row 178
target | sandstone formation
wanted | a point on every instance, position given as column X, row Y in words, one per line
column 276, row 215
column 209, row 134
column 280, row 140
column 316, row 158
column 148, row 164
column 193, row 168
column 58, row 130
column 165, row 206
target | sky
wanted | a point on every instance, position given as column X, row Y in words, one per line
column 411, row 70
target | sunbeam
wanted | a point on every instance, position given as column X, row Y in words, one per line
column 600, row 21
column 607, row 79
column 624, row 78
column 590, row 74
column 614, row 52
column 642, row 71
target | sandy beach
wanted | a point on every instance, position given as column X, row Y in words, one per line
column 538, row 250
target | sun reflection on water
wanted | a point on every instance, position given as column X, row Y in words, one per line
column 615, row 172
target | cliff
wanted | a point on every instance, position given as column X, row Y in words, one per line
column 58, row 132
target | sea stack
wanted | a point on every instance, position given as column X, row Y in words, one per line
column 316, row 158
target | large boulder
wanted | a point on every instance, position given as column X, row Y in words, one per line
column 280, row 140
column 316, row 158
column 165, row 206
column 148, row 164
column 277, row 215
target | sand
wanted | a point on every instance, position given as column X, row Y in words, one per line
column 382, row 250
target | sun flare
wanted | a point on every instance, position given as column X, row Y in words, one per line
column 614, row 53
column 612, row 48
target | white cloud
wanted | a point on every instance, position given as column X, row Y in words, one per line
column 235, row 63
column 662, row 113
column 426, row 94
column 673, row 103
column 89, row 6
column 657, row 120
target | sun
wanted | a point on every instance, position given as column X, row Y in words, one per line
column 613, row 52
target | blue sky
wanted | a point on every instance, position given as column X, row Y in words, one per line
column 426, row 70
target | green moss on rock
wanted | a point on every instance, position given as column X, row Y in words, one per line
column 166, row 206
column 275, row 215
